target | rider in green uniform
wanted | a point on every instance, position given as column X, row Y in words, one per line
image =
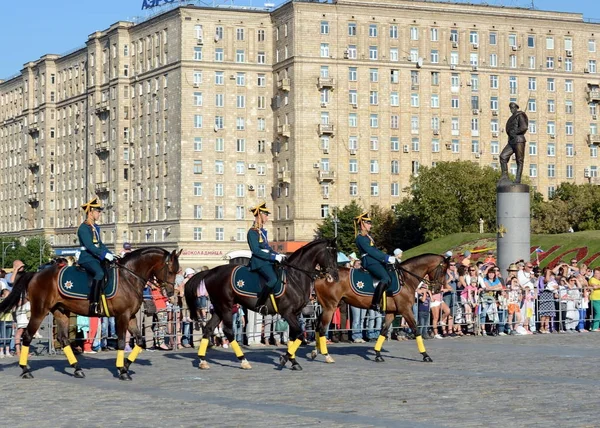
column 263, row 256
column 93, row 251
column 372, row 259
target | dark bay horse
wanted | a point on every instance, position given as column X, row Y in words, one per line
column 317, row 258
column 134, row 269
column 411, row 272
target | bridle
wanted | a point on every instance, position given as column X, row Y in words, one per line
column 162, row 284
column 315, row 273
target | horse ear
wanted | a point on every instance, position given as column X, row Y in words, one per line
column 177, row 253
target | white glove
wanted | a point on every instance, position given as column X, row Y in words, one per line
column 109, row 256
column 391, row 260
column 280, row 258
column 265, row 251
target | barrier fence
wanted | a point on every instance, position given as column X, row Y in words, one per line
column 173, row 328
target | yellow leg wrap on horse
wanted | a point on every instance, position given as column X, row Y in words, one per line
column 272, row 296
column 384, row 301
column 420, row 344
column 134, row 354
column 120, row 358
column 24, row 355
column 323, row 345
column 236, row 348
column 317, row 342
column 70, row 355
column 379, row 343
column 203, row 347
column 103, row 298
column 293, row 347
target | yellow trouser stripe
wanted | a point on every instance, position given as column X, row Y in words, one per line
column 293, row 347
column 379, row 343
column 203, row 347
column 273, row 302
column 106, row 313
column 323, row 345
column 420, row 344
column 384, row 302
column 24, row 355
column 70, row 355
column 236, row 348
column 134, row 354
column 120, row 358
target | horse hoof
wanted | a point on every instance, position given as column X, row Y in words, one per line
column 246, row 365
column 203, row 365
column 427, row 359
column 329, row 359
column 283, row 359
column 79, row 374
column 124, row 376
column 26, row 375
column 379, row 359
column 313, row 354
column 296, row 366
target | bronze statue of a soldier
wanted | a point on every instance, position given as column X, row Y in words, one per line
column 516, row 127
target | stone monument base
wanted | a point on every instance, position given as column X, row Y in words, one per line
column 513, row 223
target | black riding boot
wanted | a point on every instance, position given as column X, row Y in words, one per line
column 376, row 303
column 504, row 168
column 95, row 308
column 262, row 297
column 519, row 173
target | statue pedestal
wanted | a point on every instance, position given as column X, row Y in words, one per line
column 513, row 223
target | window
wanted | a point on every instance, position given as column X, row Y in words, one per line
column 219, row 189
column 352, row 120
column 352, row 74
column 373, row 53
column 533, row 127
column 373, row 75
column 198, row 53
column 198, row 99
column 435, row 145
column 219, row 55
column 494, row 81
column 435, row 56
column 197, row 167
column 455, row 146
column 434, row 34
column 569, row 107
column 373, row 98
column 414, row 100
column 532, row 105
column 568, row 85
column 533, row 170
column 454, row 36
column 551, row 149
column 240, row 55
column 549, row 42
column 352, row 53
column 493, row 38
column 372, row 30
column 570, row 150
column 260, row 34
column 592, row 66
column 374, row 189
column 197, row 234
column 353, row 188
column 395, row 167
column 197, row 144
column 374, row 120
column 197, row 121
column 551, row 106
column 324, row 50
column 219, row 167
column 198, row 212
column 551, row 128
column 219, row 77
column 532, row 62
column 324, row 27
column 352, row 28
column 374, row 166
column 394, row 54
column 435, row 78
column 219, row 234
column 532, row 86
column 550, row 62
column 435, row 101
column 532, row 148
column 393, row 31
column 353, row 166
column 531, row 41
column 551, row 85
column 494, row 147
column 591, row 45
column 568, row 64
column 493, row 60
column 240, row 79
column 395, row 189
column 414, row 33
column 474, row 37
column 551, row 170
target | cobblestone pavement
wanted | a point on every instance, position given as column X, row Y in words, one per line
column 536, row 380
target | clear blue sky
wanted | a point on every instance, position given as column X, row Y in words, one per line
column 56, row 26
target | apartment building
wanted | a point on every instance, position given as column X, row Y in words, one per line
column 182, row 122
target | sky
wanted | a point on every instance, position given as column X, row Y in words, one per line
column 57, row 26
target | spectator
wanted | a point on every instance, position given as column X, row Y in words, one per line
column 489, row 258
column 238, row 323
column 126, row 249
column 572, row 297
column 502, row 313
column 149, row 311
column 594, row 285
column 439, row 312
column 186, row 322
column 466, row 261
column 488, row 307
column 160, row 317
column 468, row 298
column 424, row 310
column 515, row 296
column 546, row 304
column 10, row 277
column 6, row 328
column 22, row 313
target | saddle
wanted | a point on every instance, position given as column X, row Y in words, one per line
column 363, row 284
column 249, row 284
column 75, row 282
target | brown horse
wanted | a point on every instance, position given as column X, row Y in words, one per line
column 411, row 273
column 317, row 258
column 41, row 288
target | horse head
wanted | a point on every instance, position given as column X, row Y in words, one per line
column 322, row 257
column 433, row 266
column 154, row 262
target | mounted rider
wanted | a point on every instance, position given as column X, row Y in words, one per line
column 93, row 251
column 263, row 256
column 372, row 259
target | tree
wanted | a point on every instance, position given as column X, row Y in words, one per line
column 345, row 227
column 29, row 253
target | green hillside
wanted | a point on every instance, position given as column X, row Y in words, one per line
column 584, row 246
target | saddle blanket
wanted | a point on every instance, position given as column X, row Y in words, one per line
column 75, row 282
column 362, row 283
column 247, row 283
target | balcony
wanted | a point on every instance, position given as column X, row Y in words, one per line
column 325, row 128
column 284, row 84
column 284, row 130
column 326, row 176
column 325, row 82
column 32, row 198
column 284, row 177
column 101, row 187
column 101, row 107
column 33, row 162
column 593, row 139
column 101, row 147
column 594, row 95
column 33, row 128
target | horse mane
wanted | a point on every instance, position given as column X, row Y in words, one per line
column 141, row 252
column 300, row 251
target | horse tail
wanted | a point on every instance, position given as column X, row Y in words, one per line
column 191, row 293
column 18, row 292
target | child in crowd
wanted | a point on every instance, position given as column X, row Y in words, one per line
column 468, row 297
column 22, row 313
column 424, row 307
column 514, row 302
column 528, row 302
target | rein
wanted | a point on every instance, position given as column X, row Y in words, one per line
column 162, row 284
column 420, row 278
column 312, row 274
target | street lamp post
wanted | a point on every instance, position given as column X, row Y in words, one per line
column 43, row 244
column 5, row 247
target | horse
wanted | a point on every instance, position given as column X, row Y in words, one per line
column 41, row 288
column 316, row 259
column 411, row 272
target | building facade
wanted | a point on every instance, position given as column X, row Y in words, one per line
column 182, row 122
